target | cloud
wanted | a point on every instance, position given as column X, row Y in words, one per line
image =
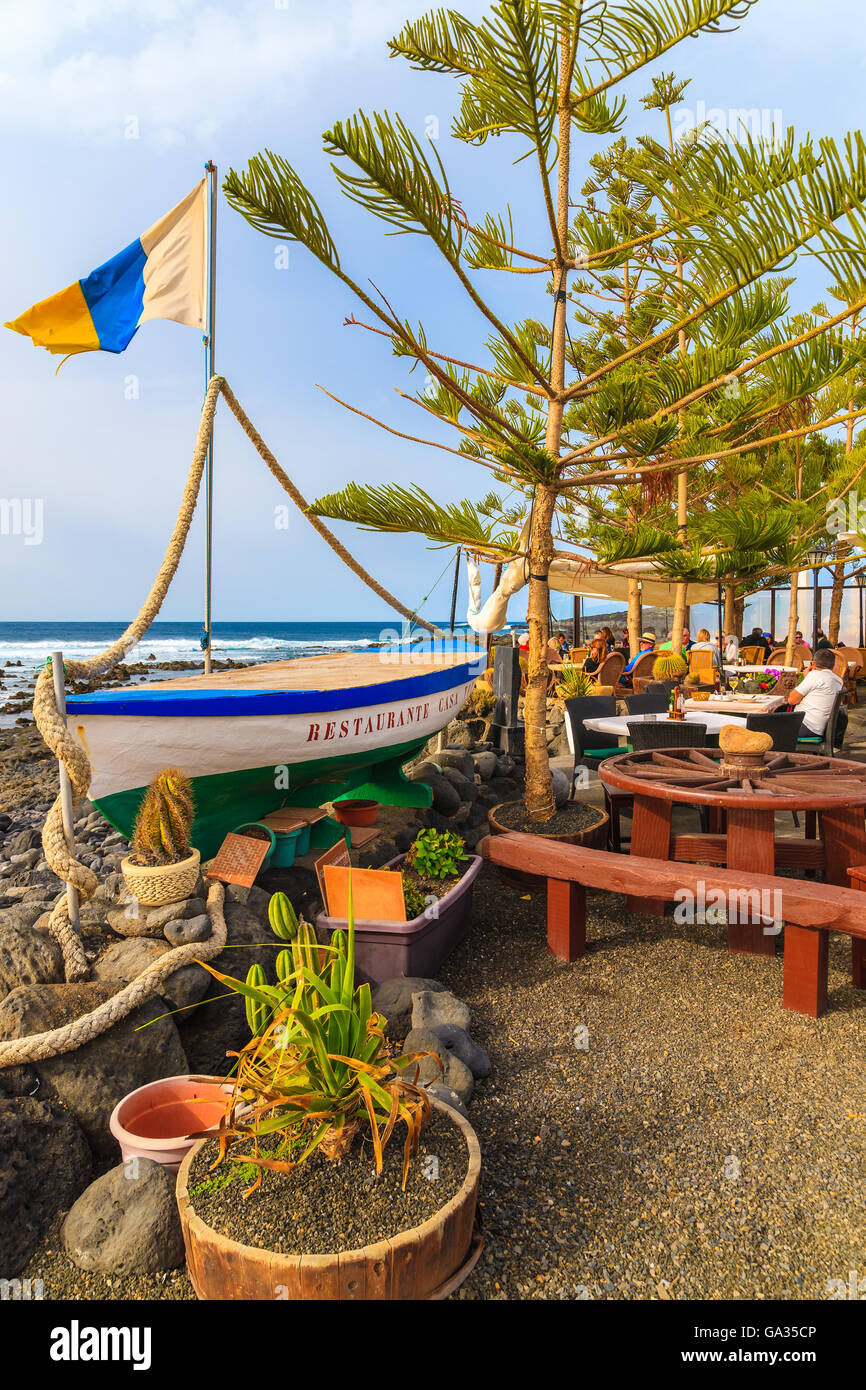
column 179, row 69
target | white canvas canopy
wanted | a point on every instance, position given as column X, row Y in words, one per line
column 574, row 577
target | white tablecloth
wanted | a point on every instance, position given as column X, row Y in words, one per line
column 768, row 666
column 758, row 704
column 617, row 725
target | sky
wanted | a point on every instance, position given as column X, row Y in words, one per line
column 108, row 111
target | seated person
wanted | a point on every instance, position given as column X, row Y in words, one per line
column 557, row 648
column 816, row 693
column 624, row 643
column 732, row 647
column 702, row 643
column 647, row 643
column 756, row 638
column 597, row 654
column 823, row 643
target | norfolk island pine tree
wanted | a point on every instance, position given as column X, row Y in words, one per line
column 546, row 74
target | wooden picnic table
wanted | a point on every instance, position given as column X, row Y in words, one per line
column 742, row 811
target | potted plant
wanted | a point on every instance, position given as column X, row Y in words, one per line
column 573, row 682
column 437, row 891
column 282, row 1204
column 161, row 867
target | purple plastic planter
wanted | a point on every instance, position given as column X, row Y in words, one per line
column 384, row 950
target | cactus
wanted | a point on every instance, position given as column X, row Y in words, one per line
column 258, row 1014
column 163, row 825
column 282, row 917
column 668, row 666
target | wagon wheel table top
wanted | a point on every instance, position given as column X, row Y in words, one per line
column 783, row 781
column 743, row 804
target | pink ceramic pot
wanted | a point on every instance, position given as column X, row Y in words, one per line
column 154, row 1121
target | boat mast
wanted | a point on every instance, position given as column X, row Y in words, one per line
column 209, row 370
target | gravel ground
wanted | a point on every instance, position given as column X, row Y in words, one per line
column 691, row 1139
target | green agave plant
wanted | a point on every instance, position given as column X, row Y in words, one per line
column 318, row 1065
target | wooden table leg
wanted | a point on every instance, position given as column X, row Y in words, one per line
column 804, row 985
column 844, row 833
column 566, row 918
column 751, row 846
column 651, row 837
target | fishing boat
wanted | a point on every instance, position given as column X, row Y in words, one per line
column 286, row 733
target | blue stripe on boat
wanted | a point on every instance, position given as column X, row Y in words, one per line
column 213, row 703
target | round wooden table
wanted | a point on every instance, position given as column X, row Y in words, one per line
column 742, row 812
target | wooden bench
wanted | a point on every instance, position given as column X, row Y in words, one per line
column 808, row 910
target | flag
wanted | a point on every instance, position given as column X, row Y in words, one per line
column 160, row 275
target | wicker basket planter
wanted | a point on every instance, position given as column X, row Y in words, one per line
column 156, row 884
column 425, row 1262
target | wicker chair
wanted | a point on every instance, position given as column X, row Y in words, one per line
column 783, row 728
column 577, row 655
column 852, row 676
column 666, row 733
column 824, row 743
column 642, row 669
column 587, row 744
column 648, row 702
column 611, row 669
column 753, row 656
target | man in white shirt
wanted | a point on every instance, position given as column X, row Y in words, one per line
column 817, row 691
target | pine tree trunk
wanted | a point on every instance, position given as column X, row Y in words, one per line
column 635, row 622
column 836, row 602
column 739, row 611
column 730, row 613
column 679, row 618
column 539, row 800
column 793, row 619
column 540, row 804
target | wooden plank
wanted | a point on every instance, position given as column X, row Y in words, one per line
column 804, row 902
column 650, row 837
column 566, row 919
column 751, row 847
column 844, row 834
column 697, row 848
column 804, row 984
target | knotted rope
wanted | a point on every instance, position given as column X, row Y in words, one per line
column 68, row 750
column 18, row 1051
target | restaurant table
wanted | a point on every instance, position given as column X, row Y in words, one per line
column 618, row 724
column 741, row 704
column 761, row 670
column 742, row 812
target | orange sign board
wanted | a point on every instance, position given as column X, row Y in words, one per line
column 377, row 894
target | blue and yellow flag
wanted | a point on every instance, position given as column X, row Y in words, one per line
column 161, row 275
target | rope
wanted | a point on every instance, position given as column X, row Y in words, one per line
column 52, row 725
column 18, row 1051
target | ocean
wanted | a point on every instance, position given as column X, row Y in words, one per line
column 31, row 643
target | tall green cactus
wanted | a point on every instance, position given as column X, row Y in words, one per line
column 164, row 822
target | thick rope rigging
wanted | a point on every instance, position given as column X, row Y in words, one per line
column 68, row 750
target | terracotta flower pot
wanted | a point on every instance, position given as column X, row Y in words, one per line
column 154, row 1120
column 426, row 1262
column 356, row 812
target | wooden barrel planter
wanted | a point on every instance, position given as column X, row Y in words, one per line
column 591, row 837
column 426, row 1262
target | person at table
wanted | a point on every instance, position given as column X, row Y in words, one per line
column 823, row 643
column 815, row 695
column 556, row 649
column 669, row 644
column 597, row 654
column 801, row 645
column 646, row 644
column 702, row 643
column 732, row 647
column 756, row 638
column 624, row 643
column 609, row 638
